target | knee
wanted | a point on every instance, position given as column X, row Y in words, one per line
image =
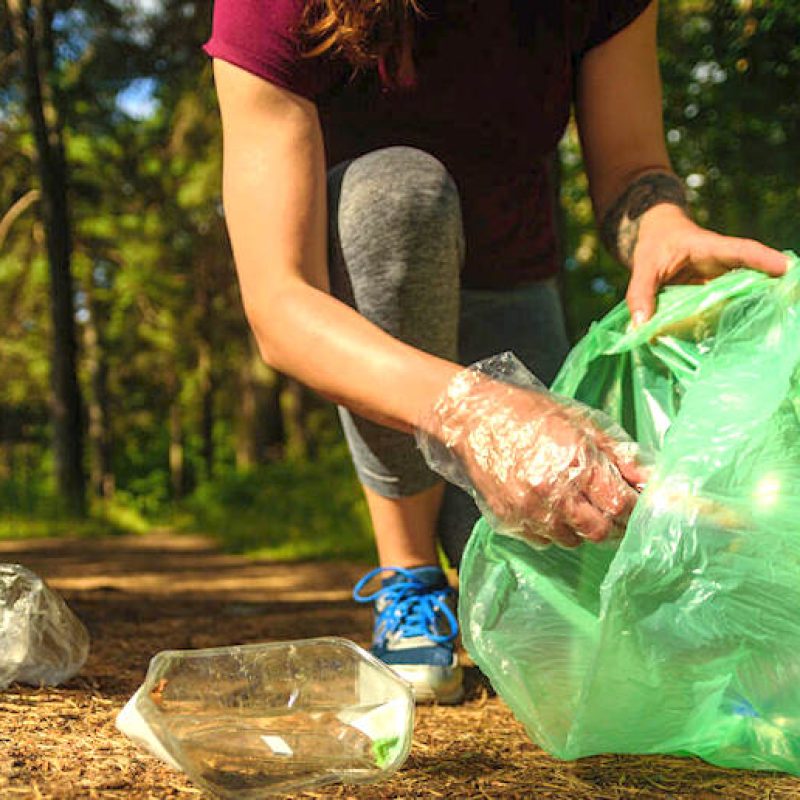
column 402, row 189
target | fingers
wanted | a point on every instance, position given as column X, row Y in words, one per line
column 585, row 519
column 610, row 492
column 558, row 533
column 734, row 252
column 641, row 295
column 564, row 536
column 708, row 255
column 627, row 458
column 578, row 520
column 634, row 472
column 536, row 541
column 698, row 272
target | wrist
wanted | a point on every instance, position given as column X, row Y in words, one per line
column 666, row 213
column 653, row 195
column 663, row 220
column 433, row 383
column 452, row 406
column 479, row 389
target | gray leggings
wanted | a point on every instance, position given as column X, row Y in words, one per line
column 396, row 250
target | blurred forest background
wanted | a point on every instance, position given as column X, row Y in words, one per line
column 131, row 393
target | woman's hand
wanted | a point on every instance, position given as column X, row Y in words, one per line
column 539, row 466
column 670, row 248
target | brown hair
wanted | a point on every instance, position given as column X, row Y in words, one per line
column 365, row 33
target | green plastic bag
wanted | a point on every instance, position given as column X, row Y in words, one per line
column 685, row 637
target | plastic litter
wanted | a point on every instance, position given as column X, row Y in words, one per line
column 256, row 720
column 685, row 637
column 41, row 640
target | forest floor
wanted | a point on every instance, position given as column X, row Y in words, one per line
column 142, row 594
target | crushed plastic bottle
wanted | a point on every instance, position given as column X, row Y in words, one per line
column 256, row 720
column 43, row 642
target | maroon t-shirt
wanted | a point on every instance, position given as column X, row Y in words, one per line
column 491, row 101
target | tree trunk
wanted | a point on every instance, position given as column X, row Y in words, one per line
column 293, row 413
column 6, row 460
column 31, row 22
column 259, row 428
column 206, row 383
column 177, row 471
column 246, row 420
column 205, row 367
column 100, row 446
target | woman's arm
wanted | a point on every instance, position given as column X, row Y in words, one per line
column 274, row 191
column 520, row 450
column 638, row 200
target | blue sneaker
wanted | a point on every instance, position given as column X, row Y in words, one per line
column 415, row 630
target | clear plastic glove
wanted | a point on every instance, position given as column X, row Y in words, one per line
column 540, row 467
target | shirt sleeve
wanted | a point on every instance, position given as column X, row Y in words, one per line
column 262, row 37
column 610, row 17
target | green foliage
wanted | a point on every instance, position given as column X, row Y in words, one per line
column 44, row 519
column 44, row 527
column 731, row 72
column 288, row 510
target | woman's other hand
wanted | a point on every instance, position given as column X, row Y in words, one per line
column 670, row 248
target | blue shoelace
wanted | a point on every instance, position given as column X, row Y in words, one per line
column 410, row 606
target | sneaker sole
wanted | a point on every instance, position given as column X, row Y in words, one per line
column 443, row 685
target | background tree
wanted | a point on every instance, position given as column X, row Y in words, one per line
column 34, row 48
column 185, row 424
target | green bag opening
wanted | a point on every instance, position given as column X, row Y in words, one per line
column 684, row 637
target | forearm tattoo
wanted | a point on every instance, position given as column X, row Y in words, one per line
column 619, row 229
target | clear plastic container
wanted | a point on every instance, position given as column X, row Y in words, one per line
column 256, row 720
column 41, row 640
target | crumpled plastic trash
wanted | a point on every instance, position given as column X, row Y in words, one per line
column 684, row 638
column 251, row 721
column 41, row 640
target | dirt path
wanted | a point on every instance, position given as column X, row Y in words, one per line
column 139, row 595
